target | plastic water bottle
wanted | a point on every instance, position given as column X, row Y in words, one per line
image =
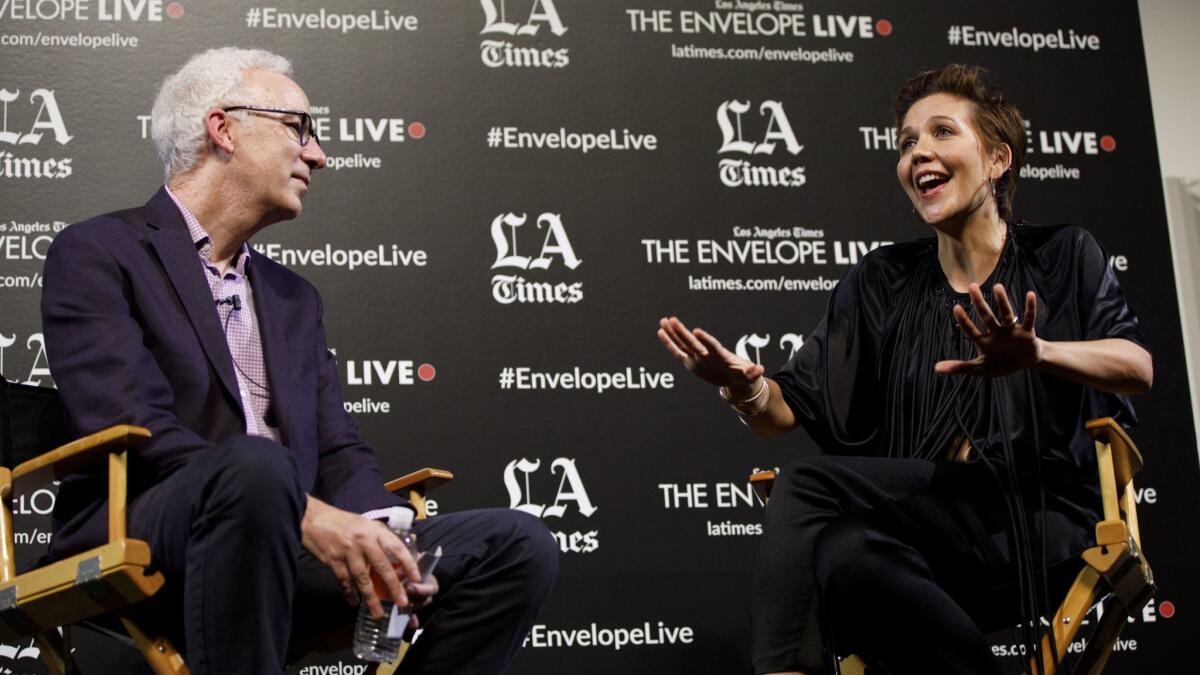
column 371, row 641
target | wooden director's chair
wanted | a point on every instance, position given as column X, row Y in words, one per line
column 1115, row 571
column 112, row 579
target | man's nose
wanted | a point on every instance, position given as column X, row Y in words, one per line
column 313, row 155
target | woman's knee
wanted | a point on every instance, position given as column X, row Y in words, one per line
column 852, row 559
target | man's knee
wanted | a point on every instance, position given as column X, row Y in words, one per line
column 530, row 546
column 259, row 475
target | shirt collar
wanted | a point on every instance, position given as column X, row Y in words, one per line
column 202, row 241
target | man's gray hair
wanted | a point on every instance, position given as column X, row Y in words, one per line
column 211, row 79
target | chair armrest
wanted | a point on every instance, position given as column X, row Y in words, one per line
column 1127, row 461
column 71, row 457
column 418, row 483
column 421, row 481
column 762, row 482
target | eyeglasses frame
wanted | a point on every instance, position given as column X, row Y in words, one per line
column 308, row 129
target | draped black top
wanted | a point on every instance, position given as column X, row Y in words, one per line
column 863, row 382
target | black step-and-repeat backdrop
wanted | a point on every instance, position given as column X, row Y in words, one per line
column 517, row 190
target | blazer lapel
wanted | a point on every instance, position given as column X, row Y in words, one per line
column 174, row 247
column 267, row 304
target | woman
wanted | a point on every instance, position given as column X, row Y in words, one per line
column 952, row 425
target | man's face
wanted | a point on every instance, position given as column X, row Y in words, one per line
column 268, row 158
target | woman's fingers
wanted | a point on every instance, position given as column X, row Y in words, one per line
column 1030, row 311
column 686, row 339
column 678, row 334
column 710, row 343
column 981, row 307
column 669, row 342
column 1007, row 316
column 953, row 367
column 966, row 324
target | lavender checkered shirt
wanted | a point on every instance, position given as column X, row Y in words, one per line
column 241, row 327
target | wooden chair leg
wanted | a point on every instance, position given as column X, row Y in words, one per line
column 852, row 665
column 54, row 654
column 1067, row 620
column 390, row 667
column 158, row 651
column 1099, row 647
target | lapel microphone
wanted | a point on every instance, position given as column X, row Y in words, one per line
column 233, row 300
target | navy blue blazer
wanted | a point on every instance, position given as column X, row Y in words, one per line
column 133, row 337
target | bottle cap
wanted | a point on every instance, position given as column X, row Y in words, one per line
column 400, row 518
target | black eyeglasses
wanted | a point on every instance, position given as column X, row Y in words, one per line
column 304, row 129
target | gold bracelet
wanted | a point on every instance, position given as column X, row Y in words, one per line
column 755, row 405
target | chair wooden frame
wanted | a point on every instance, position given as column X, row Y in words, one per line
column 1115, row 570
column 113, row 577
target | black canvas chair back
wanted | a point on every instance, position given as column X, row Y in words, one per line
column 32, row 422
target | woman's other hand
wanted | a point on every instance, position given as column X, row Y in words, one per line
column 705, row 356
column 1005, row 343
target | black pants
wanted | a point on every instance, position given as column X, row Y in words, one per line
column 226, row 532
column 903, row 560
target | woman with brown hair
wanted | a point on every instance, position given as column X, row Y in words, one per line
column 947, row 385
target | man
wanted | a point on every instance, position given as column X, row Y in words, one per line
column 253, row 488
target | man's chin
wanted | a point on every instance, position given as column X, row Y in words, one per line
column 284, row 212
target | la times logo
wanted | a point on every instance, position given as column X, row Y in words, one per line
column 81, row 10
column 510, row 288
column 503, row 53
column 776, row 132
column 750, row 346
column 43, row 117
column 35, row 344
column 522, row 480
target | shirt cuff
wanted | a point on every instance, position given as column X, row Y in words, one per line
column 378, row 514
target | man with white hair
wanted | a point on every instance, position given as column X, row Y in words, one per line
column 253, row 488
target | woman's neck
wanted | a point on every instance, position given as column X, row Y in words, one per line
column 969, row 253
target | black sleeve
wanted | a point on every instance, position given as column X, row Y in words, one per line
column 1104, row 313
column 830, row 383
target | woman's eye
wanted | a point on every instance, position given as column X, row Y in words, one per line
column 943, row 131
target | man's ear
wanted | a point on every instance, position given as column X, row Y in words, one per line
column 216, row 127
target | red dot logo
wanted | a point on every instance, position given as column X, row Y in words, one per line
column 1108, row 143
column 174, row 10
column 1166, row 609
column 883, row 27
column 426, row 372
column 416, row 130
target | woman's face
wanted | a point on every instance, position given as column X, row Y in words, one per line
column 945, row 166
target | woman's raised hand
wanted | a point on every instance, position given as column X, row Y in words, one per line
column 1005, row 344
column 703, row 355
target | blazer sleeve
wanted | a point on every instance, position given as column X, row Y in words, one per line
column 348, row 475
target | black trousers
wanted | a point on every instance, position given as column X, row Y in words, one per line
column 904, row 561
column 225, row 530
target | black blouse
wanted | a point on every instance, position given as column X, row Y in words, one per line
column 863, row 382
